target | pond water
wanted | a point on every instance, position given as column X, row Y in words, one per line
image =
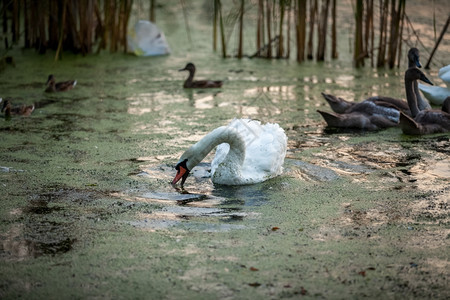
column 86, row 201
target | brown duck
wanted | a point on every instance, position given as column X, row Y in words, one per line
column 200, row 84
column 21, row 110
column 423, row 121
column 53, row 86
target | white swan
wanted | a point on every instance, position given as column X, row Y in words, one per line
column 247, row 153
column 437, row 94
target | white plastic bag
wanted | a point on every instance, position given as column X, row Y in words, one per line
column 146, row 39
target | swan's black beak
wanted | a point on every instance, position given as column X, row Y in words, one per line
column 425, row 79
column 416, row 60
column 182, row 173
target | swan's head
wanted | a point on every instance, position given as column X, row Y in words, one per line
column 182, row 172
column 415, row 74
column 187, row 162
column 413, row 58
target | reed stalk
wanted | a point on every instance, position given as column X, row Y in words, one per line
column 61, row 30
column 15, row 21
column 368, row 30
column 260, row 25
column 241, row 29
column 288, row 33
column 334, row 52
column 384, row 5
column 269, row 29
column 152, row 11
column 394, row 31
column 280, row 48
column 215, row 20
column 222, row 31
column 301, row 29
column 5, row 16
column 322, row 31
column 358, row 55
column 312, row 20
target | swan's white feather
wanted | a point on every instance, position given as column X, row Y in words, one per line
column 265, row 150
column 435, row 94
column 444, row 74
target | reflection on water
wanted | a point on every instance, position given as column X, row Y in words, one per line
column 190, row 211
column 205, row 206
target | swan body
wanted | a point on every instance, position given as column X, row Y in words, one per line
column 247, row 153
column 423, row 121
column 437, row 94
column 53, row 86
column 191, row 83
column 444, row 74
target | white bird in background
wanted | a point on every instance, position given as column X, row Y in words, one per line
column 437, row 94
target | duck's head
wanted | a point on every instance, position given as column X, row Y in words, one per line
column 50, row 79
column 416, row 74
column 413, row 58
column 6, row 104
column 189, row 67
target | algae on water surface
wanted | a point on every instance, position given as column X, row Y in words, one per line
column 87, row 209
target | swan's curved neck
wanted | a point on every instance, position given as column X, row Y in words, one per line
column 411, row 96
column 422, row 104
column 236, row 154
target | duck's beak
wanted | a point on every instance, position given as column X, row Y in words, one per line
column 184, row 69
column 182, row 173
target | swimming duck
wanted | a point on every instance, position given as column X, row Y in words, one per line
column 190, row 83
column 247, row 153
column 22, row 110
column 343, row 106
column 437, row 94
column 53, row 86
column 423, row 121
